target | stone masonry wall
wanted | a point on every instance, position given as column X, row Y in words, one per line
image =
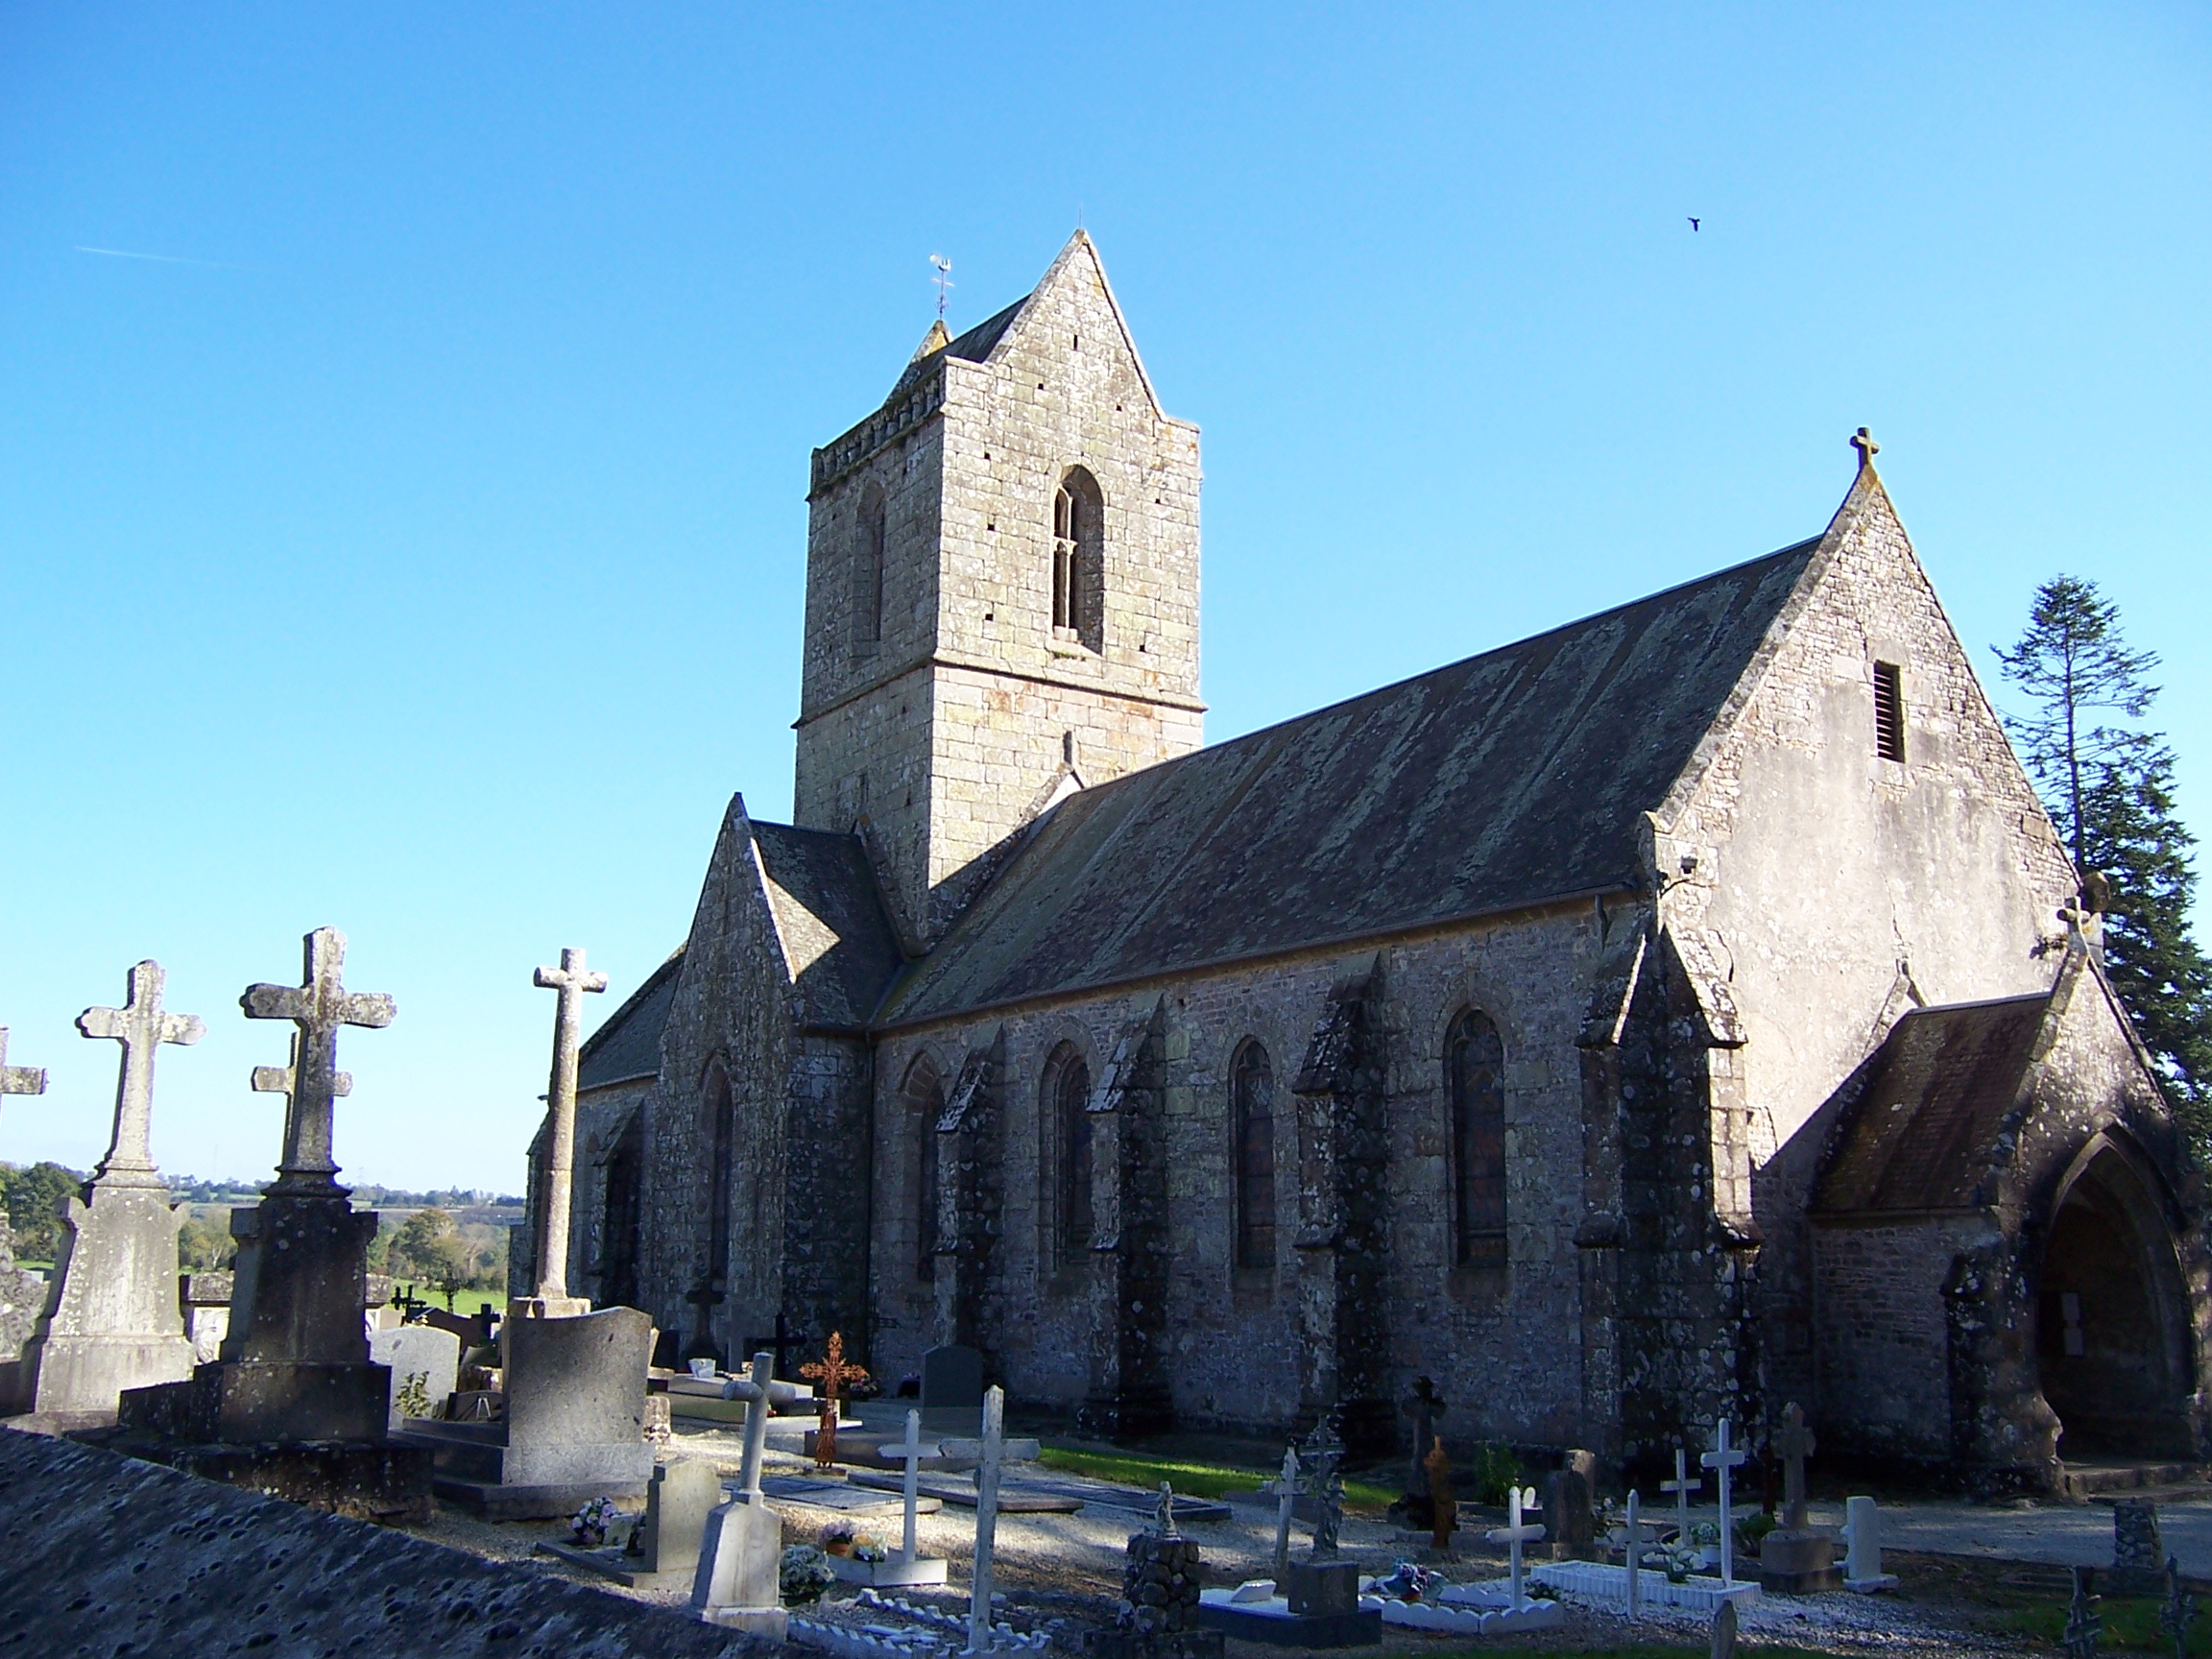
column 1504, row 1346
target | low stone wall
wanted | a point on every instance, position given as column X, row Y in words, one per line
column 130, row 1557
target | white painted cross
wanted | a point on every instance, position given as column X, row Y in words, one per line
column 141, row 1027
column 319, row 1005
column 1723, row 1460
column 1288, row 1489
column 20, row 1079
column 1682, row 1486
column 572, row 979
column 910, row 1452
column 991, row 1453
column 1515, row 1535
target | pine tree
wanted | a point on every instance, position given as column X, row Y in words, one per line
column 2111, row 789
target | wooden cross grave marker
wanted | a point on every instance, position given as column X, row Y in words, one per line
column 992, row 1452
column 141, row 1027
column 1682, row 1486
column 573, row 979
column 1515, row 1533
column 910, row 1452
column 318, row 1007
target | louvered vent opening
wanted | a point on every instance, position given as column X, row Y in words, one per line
column 1888, row 711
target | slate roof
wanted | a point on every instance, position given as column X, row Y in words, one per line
column 839, row 941
column 627, row 1045
column 974, row 346
column 1932, row 1103
column 1510, row 779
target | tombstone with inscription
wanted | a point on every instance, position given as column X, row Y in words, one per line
column 113, row 1321
column 952, row 1390
column 1569, row 1499
column 293, row 1405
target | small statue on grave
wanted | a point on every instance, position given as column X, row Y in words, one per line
column 1425, row 1405
column 1443, row 1506
column 834, row 1374
column 1164, row 1513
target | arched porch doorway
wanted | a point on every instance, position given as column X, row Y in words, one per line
column 2113, row 1341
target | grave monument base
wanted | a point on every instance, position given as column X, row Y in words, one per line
column 385, row 1483
column 1272, row 1623
column 1158, row 1645
column 891, row 1575
column 614, row 1562
column 772, row 1622
column 1795, row 1561
column 86, row 1375
column 497, row 1501
column 256, row 1401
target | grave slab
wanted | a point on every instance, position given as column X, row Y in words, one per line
column 845, row 1495
column 1272, row 1623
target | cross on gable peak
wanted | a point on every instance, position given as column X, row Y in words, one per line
column 1862, row 440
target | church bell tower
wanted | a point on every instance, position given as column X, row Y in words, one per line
column 1001, row 592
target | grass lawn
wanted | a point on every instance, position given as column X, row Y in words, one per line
column 1195, row 1480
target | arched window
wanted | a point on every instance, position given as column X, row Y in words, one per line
column 868, row 568
column 1252, row 1131
column 1475, row 1079
column 1079, row 560
column 924, row 1092
column 1067, row 1124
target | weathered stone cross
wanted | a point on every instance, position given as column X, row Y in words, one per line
column 1724, row 1460
column 20, row 1079
column 1515, row 1533
column 319, row 1005
column 141, row 1027
column 1793, row 1443
column 1863, row 441
column 572, row 979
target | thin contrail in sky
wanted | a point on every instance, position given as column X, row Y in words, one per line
column 156, row 258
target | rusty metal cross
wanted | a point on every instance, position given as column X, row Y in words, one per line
column 319, row 1005
column 572, row 979
column 1862, row 440
column 141, row 1027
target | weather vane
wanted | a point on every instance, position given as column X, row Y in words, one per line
column 944, row 281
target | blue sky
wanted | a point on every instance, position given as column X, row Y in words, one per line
column 415, row 545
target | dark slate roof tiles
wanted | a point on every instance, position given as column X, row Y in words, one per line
column 1510, row 778
column 840, row 943
column 627, row 1045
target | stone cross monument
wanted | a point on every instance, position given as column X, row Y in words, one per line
column 114, row 1321
column 319, row 1005
column 18, row 1079
column 571, row 980
column 1796, row 1558
column 22, row 1292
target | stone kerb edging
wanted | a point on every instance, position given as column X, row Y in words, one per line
column 1601, row 1581
column 1465, row 1619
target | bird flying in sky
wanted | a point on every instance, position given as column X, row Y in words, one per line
column 1692, row 225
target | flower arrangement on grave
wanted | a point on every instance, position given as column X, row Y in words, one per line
column 1410, row 1581
column 413, row 1398
column 802, row 1575
column 589, row 1524
column 867, row 1547
column 836, row 1538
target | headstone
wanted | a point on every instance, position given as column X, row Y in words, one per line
column 1796, row 1558
column 1862, row 1546
column 113, row 1322
column 1289, row 1487
column 1571, row 1517
column 206, row 1298
column 571, row 980
column 1724, row 1459
column 2138, row 1555
column 662, row 1550
column 574, row 1427
column 1725, row 1631
column 952, row 1390
column 425, row 1364
column 739, row 1582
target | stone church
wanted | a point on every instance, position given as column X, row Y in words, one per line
column 1684, row 1011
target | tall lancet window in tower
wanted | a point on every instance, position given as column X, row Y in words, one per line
column 1475, row 1078
column 868, row 568
column 1079, row 560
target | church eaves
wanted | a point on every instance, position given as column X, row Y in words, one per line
column 1512, row 778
